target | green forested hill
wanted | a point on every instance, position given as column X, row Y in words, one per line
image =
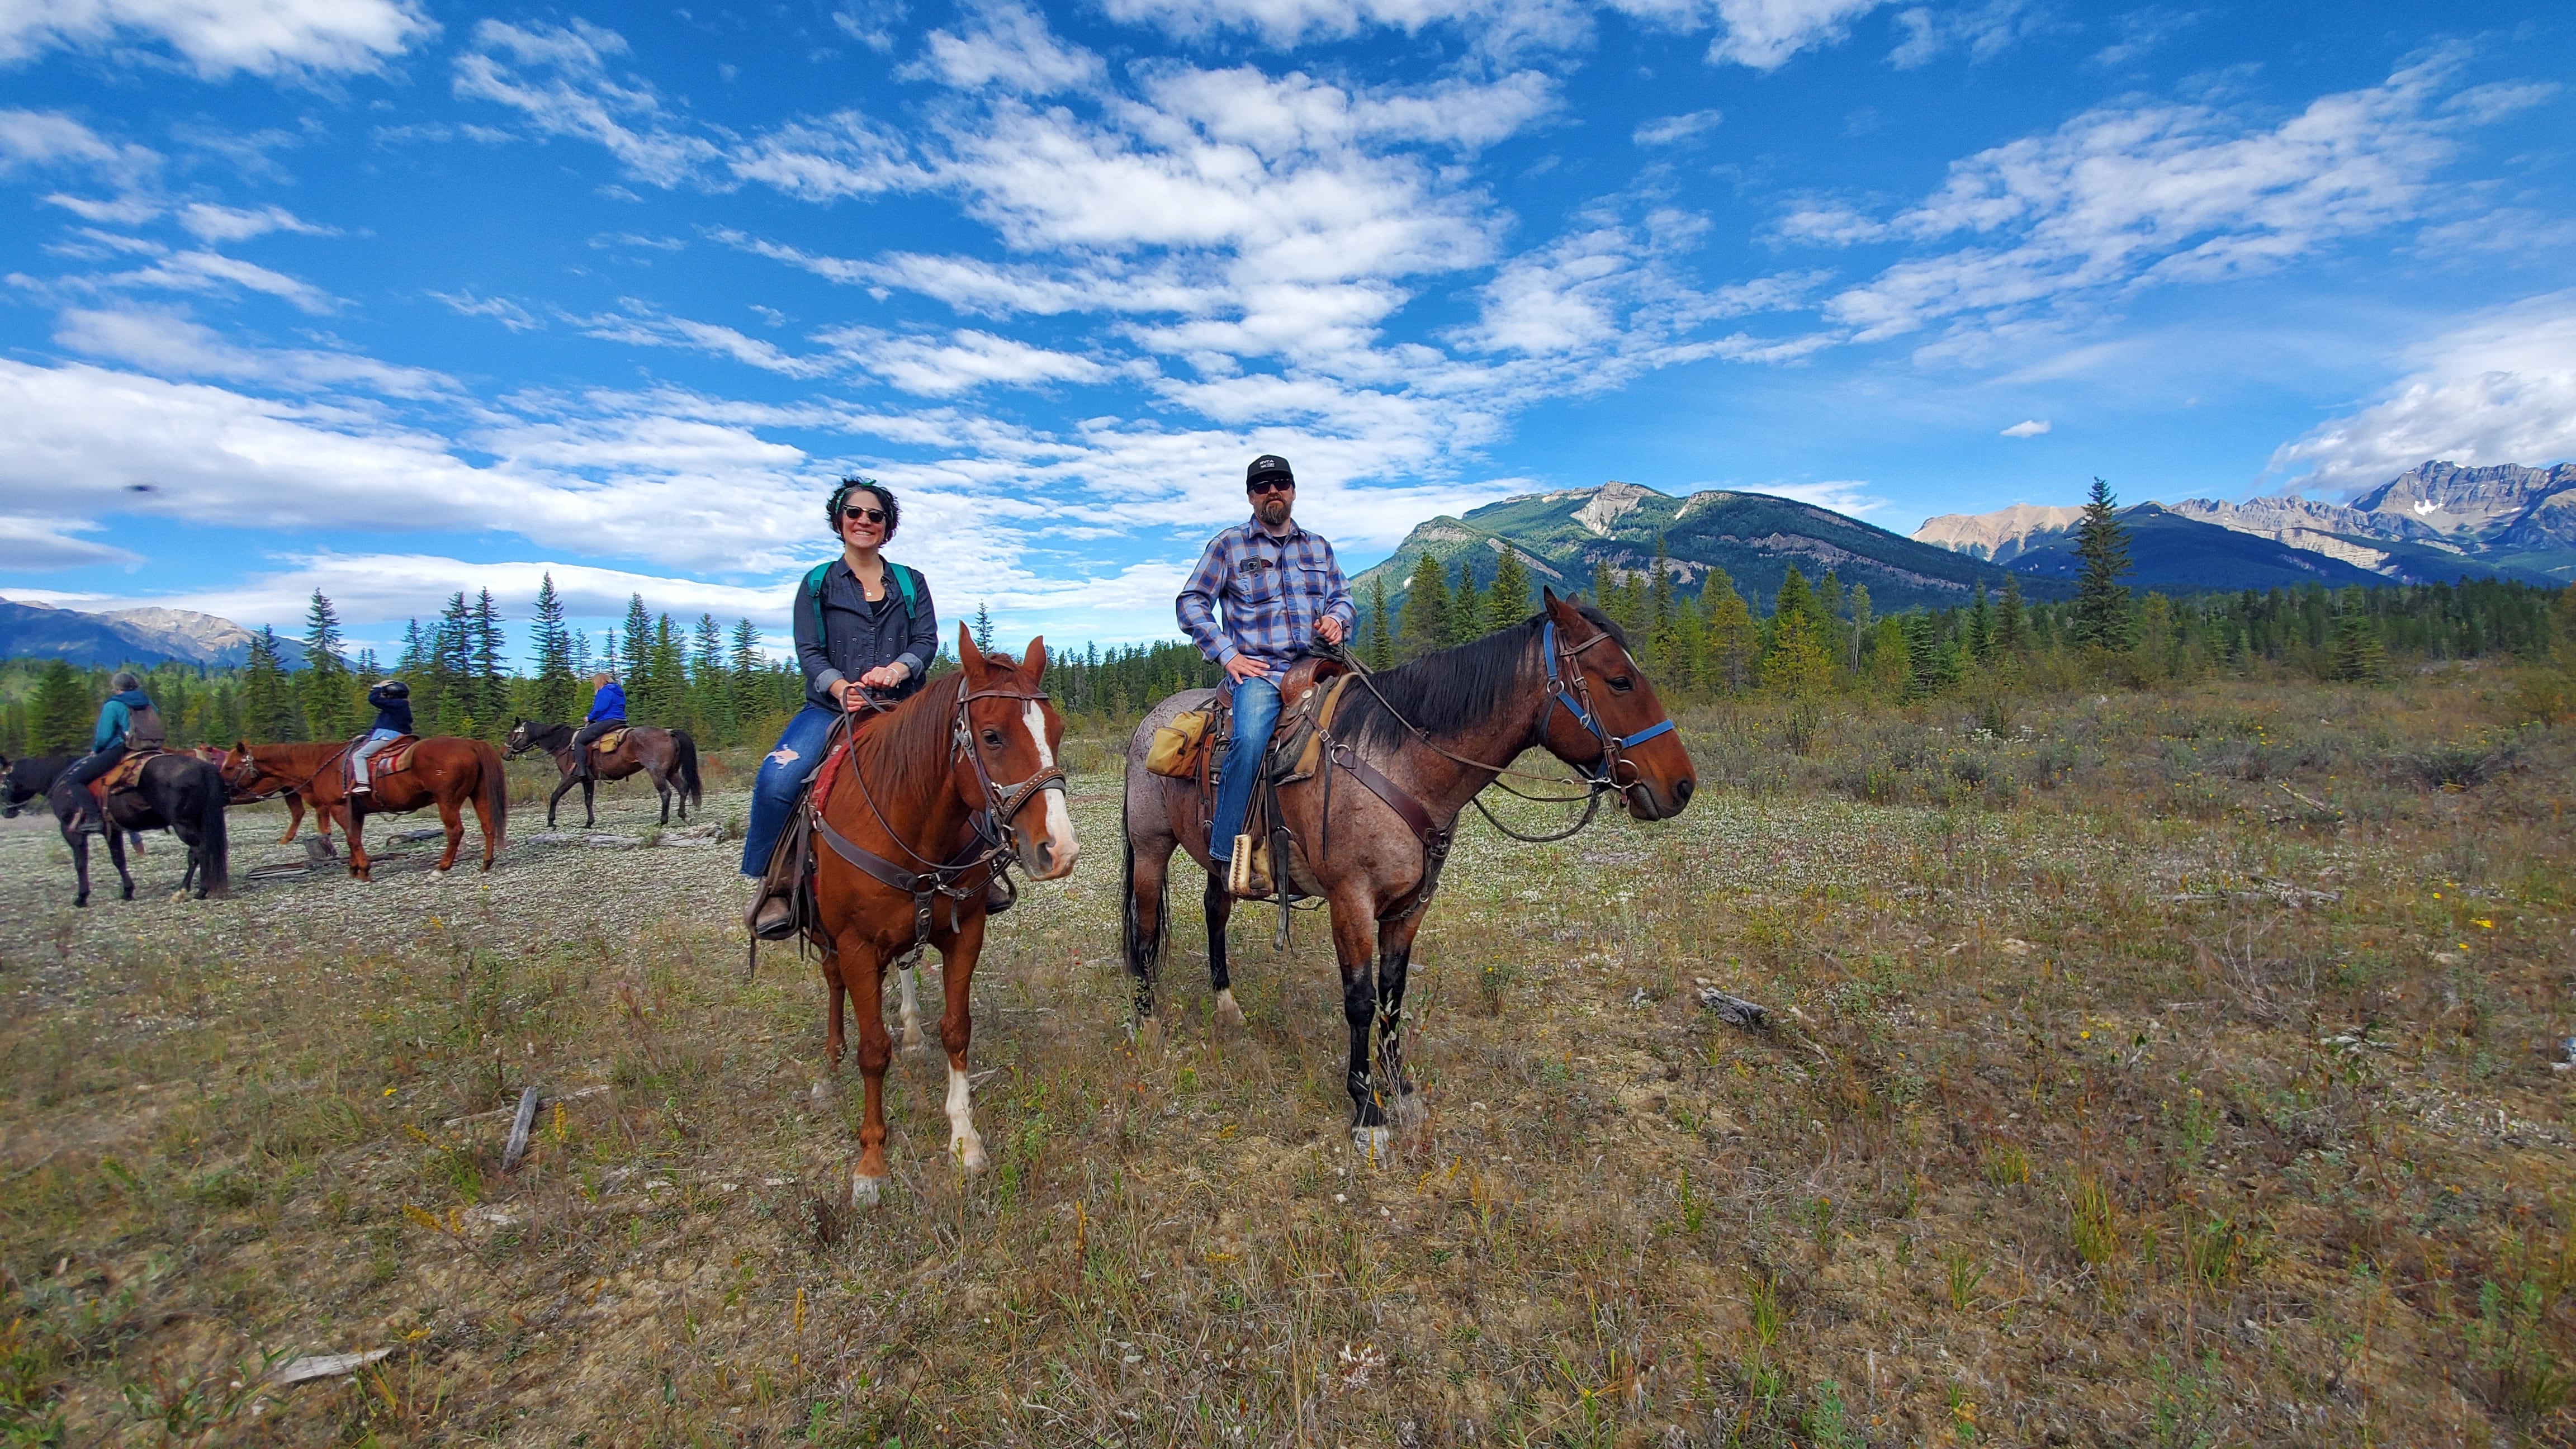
column 1754, row 537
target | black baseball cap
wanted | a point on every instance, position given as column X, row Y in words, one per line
column 1268, row 465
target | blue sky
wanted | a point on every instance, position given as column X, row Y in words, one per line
column 397, row 297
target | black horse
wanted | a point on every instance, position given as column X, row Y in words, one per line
column 178, row 792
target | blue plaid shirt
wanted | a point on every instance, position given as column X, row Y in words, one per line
column 1274, row 590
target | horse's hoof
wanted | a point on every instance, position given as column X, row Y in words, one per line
column 1227, row 1013
column 1372, row 1143
column 969, row 1152
column 912, row 1038
column 864, row 1191
column 178, row 895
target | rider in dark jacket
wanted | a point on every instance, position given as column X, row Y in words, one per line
column 127, row 716
column 392, row 699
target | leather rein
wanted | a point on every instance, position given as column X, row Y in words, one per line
column 990, row 845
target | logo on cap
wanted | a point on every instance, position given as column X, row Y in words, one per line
column 1264, row 465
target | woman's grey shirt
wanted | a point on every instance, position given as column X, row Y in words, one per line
column 859, row 635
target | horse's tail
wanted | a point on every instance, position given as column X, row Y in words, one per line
column 494, row 789
column 686, row 752
column 1144, row 947
column 213, row 845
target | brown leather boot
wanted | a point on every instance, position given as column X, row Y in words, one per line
column 772, row 916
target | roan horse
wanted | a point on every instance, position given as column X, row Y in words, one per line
column 445, row 771
column 1434, row 732
column 669, row 756
column 177, row 791
column 930, row 800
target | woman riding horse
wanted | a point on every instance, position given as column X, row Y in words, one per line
column 126, row 723
column 865, row 634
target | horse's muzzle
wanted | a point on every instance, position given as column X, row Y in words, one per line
column 1647, row 801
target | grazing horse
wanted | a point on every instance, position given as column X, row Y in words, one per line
column 669, row 756
column 295, row 799
column 913, row 817
column 177, row 791
column 444, row 771
column 1430, row 735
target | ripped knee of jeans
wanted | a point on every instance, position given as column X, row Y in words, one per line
column 783, row 755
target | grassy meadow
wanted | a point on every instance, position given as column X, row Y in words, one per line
column 2163, row 1068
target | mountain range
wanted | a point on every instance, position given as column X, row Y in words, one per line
column 2433, row 523
column 129, row 636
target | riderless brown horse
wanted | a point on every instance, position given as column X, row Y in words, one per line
column 1408, row 749
column 669, row 756
column 913, row 817
column 296, row 800
column 444, row 770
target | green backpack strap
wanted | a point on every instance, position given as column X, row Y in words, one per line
column 906, row 583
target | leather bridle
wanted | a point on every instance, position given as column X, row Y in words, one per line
column 1603, row 774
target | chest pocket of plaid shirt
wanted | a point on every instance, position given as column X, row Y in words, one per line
column 1256, row 581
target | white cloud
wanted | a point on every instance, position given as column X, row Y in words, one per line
column 968, row 360
column 46, row 543
column 1984, row 31
column 213, row 272
column 1496, row 27
column 1008, row 45
column 1848, row 496
column 2500, row 387
column 170, row 345
column 51, row 141
column 1671, row 130
column 220, row 37
column 220, row 224
column 500, row 309
column 1764, row 34
column 2028, row 428
column 644, row 325
column 2138, row 195
column 577, row 97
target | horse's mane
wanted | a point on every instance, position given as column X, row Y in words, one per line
column 1453, row 690
column 907, row 751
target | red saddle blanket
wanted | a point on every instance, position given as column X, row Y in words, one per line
column 127, row 775
column 393, row 759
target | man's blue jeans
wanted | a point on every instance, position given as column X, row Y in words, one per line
column 782, row 773
column 1256, row 709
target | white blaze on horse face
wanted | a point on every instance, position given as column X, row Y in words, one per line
column 1062, row 848
column 963, row 1140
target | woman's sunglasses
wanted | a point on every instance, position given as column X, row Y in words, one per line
column 1271, row 485
column 872, row 515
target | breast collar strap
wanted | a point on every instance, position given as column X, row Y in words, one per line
column 1576, row 699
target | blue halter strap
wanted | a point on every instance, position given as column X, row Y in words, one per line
column 1581, row 709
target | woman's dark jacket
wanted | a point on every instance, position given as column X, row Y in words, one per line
column 391, row 714
column 858, row 636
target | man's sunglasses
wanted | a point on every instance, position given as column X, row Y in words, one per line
column 872, row 515
column 1272, row 484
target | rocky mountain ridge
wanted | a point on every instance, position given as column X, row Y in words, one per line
column 129, row 636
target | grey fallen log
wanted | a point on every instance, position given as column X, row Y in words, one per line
column 551, row 837
column 324, row 1366
column 422, row 832
column 613, row 842
column 1734, row 1010
column 519, row 1126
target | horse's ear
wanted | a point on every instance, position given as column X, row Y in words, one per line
column 967, row 653
column 1033, row 659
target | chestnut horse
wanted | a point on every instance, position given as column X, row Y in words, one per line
column 669, row 756
column 445, row 771
column 1432, row 734
column 913, row 818
column 296, row 800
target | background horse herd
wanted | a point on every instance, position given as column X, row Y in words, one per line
column 926, row 804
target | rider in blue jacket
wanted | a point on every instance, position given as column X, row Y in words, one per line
column 127, row 722
column 607, row 712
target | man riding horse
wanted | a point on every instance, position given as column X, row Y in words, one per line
column 607, row 712
column 1280, row 586
column 127, row 723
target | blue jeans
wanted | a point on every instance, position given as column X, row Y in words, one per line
column 782, row 773
column 1256, row 709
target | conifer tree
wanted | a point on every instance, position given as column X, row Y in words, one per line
column 553, row 696
column 1981, row 625
column 635, row 644
column 1734, row 640
column 1380, row 648
column 491, row 681
column 983, row 630
column 1426, row 608
column 1603, row 585
column 62, row 714
column 2102, row 615
column 1860, row 623
column 1467, row 604
column 2012, row 621
column 1800, row 662
column 750, row 703
column 666, row 673
column 328, row 700
column 2360, row 657
column 710, row 702
column 1508, row 601
column 268, row 705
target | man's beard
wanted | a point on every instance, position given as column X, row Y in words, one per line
column 1272, row 511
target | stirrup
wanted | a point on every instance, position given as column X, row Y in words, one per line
column 1244, row 877
column 772, row 918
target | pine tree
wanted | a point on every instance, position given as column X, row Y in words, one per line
column 491, row 681
column 2359, row 655
column 983, row 630
column 1467, row 605
column 1860, row 622
column 329, row 702
column 268, row 706
column 1508, row 601
column 750, row 689
column 635, row 643
column 452, row 668
column 2101, row 601
column 62, row 714
column 1981, row 626
column 1380, row 650
column 710, row 699
column 1603, row 585
column 2012, row 621
column 1659, row 597
column 1426, row 608
column 1800, row 664
column 667, row 674
column 1734, row 641
column 552, row 700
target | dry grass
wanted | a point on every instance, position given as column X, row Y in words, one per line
column 2159, row 1069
